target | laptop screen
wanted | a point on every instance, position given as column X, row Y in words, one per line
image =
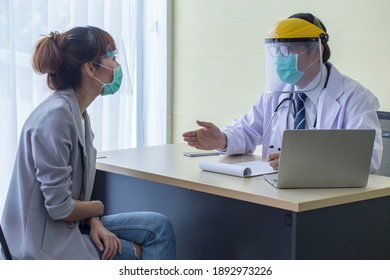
column 325, row 158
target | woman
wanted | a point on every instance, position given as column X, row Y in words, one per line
column 48, row 213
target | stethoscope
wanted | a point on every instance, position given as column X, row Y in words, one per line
column 291, row 99
column 287, row 99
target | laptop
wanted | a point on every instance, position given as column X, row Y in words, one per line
column 324, row 159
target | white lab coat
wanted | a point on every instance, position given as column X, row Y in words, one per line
column 343, row 104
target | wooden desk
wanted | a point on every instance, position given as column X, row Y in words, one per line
column 218, row 216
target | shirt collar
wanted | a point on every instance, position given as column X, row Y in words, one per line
column 320, row 79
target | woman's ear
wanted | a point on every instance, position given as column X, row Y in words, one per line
column 89, row 69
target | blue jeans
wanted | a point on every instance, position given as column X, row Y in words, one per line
column 152, row 231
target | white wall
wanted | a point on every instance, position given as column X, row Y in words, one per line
column 218, row 52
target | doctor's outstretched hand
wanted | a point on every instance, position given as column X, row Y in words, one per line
column 209, row 137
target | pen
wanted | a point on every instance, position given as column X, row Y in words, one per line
column 101, row 157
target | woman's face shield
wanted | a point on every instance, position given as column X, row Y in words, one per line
column 291, row 66
column 118, row 56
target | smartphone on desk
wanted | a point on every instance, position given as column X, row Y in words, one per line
column 201, row 153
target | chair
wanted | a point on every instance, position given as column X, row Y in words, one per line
column 4, row 245
column 384, row 119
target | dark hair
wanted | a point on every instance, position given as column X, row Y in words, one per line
column 317, row 22
column 61, row 55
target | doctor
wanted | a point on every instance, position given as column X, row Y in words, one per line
column 297, row 55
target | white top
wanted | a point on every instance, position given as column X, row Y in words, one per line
column 83, row 127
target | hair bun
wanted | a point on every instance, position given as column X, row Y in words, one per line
column 57, row 37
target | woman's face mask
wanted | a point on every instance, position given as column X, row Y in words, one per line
column 114, row 86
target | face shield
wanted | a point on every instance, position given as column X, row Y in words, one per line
column 292, row 65
column 118, row 56
column 293, row 56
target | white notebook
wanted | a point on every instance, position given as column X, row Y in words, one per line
column 242, row 169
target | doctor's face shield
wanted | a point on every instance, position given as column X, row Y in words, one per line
column 293, row 56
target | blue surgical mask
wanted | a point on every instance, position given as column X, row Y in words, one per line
column 287, row 70
column 114, row 86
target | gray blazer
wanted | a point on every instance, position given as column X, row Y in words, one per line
column 54, row 166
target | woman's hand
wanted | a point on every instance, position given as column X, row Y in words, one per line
column 106, row 241
column 209, row 137
column 273, row 159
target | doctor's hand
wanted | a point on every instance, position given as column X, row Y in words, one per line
column 209, row 137
column 106, row 241
column 273, row 160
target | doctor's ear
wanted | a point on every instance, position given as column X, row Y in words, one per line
column 322, row 51
column 316, row 54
